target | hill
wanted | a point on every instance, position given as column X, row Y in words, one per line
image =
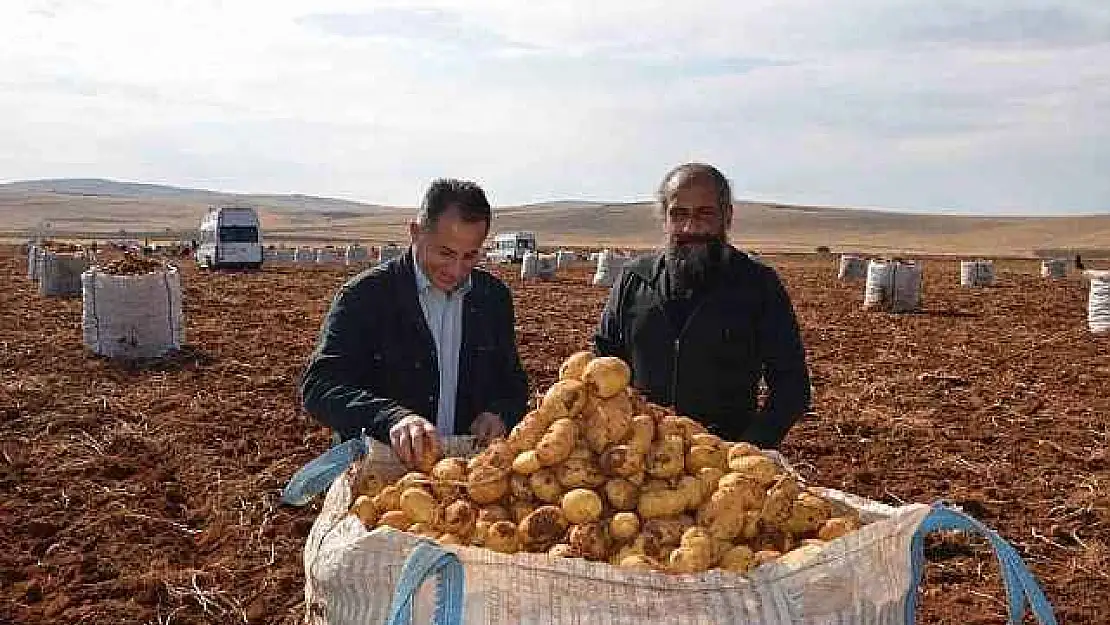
column 97, row 208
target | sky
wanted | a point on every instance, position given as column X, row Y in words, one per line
column 977, row 107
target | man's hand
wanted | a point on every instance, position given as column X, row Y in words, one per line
column 487, row 426
column 415, row 442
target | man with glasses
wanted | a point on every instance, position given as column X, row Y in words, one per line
column 701, row 323
column 424, row 345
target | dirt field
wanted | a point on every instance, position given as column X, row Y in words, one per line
column 151, row 495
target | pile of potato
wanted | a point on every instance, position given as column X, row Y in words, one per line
column 595, row 472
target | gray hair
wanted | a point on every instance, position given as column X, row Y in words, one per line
column 694, row 172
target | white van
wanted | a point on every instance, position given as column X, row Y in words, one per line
column 509, row 247
column 230, row 236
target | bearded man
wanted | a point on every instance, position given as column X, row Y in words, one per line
column 701, row 323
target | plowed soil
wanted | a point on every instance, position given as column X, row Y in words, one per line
column 149, row 494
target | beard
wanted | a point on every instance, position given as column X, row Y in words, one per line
column 695, row 260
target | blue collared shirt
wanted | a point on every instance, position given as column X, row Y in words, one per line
column 444, row 312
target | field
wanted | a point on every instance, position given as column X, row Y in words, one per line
column 150, row 495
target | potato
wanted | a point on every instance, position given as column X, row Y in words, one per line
column 808, row 514
column 667, row 458
column 595, row 431
column 581, row 451
column 388, row 499
column 728, row 524
column 423, row 529
column 481, row 532
column 661, row 503
column 557, row 443
column 494, row 513
column 709, row 440
column 670, row 426
column 419, row 506
column 655, row 484
column 642, row 434
column 520, row 487
column 498, row 454
column 752, row 525
column 739, row 559
column 368, row 484
column 664, row 531
column 622, row 494
column 541, row 529
column 396, row 519
column 563, row 550
column 624, row 526
column 590, row 540
column 606, row 376
column 772, row 539
column 836, row 527
column 502, row 537
column 705, row 456
column 521, row 509
column 487, row 484
column 527, row 463
column 459, row 518
column 365, row 510
column 575, row 365
column 686, row 560
column 416, row 479
column 739, row 491
column 640, row 563
column 451, row 539
column 565, row 398
column 742, row 448
column 649, row 544
column 616, row 416
column 581, row 505
column 450, row 470
column 637, row 478
column 527, row 433
column 579, row 473
column 779, row 502
column 621, row 461
column 761, row 469
column 692, row 489
column 709, row 478
column 544, row 484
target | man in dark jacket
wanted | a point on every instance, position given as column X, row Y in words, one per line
column 424, row 345
column 701, row 323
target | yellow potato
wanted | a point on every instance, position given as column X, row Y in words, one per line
column 419, row 506
column 661, row 503
column 365, row 510
column 459, row 518
column 590, row 540
column 520, row 486
column 740, row 491
column 389, row 498
column 649, row 544
column 396, row 519
column 423, row 529
column 670, row 425
column 665, row 531
column 705, row 456
column 752, row 525
column 557, row 443
column 416, row 479
column 575, row 365
column 578, row 473
column 739, row 559
column 685, row 560
column 743, row 448
column 624, row 526
column 606, row 376
column 527, row 463
column 493, row 513
column 581, row 505
column 581, row 451
column 779, row 502
column 498, row 455
column 622, row 494
column 487, row 484
column 836, row 527
column 709, row 440
column 451, row 539
column 655, row 484
column 541, row 529
column 450, row 470
column 521, row 509
column 502, row 537
column 565, row 398
column 692, row 489
column 709, row 478
column 808, row 514
column 728, row 524
column 616, row 416
column 758, row 468
column 369, row 484
column 481, row 532
column 642, row 434
column 527, row 433
column 595, row 430
column 667, row 457
column 640, row 563
column 544, row 484
column 621, row 461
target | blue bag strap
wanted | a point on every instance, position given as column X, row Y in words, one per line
column 427, row 559
column 316, row 476
column 1021, row 588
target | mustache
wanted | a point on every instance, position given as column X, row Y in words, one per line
column 695, row 239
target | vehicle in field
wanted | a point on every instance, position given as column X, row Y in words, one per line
column 510, row 247
column 230, row 237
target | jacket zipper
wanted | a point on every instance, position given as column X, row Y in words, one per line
column 678, row 349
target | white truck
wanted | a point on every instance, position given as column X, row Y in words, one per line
column 231, row 237
column 509, row 247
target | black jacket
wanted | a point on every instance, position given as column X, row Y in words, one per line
column 375, row 360
column 709, row 366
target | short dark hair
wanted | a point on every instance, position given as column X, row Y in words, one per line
column 691, row 172
column 444, row 193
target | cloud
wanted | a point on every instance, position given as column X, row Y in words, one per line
column 979, row 107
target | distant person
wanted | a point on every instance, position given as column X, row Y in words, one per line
column 1079, row 263
column 700, row 323
column 424, row 345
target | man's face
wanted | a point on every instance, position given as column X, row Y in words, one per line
column 450, row 249
column 695, row 228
